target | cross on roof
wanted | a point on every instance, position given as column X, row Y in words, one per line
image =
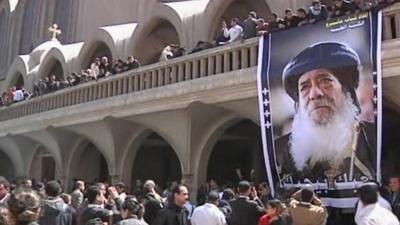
column 54, row 31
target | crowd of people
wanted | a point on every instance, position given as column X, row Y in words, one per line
column 101, row 203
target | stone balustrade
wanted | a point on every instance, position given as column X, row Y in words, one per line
column 209, row 62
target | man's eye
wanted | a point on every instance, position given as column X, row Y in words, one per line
column 304, row 87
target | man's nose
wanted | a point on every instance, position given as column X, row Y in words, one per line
column 315, row 93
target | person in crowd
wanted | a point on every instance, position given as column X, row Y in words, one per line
column 264, row 192
column 224, row 203
column 4, row 191
column 362, row 6
column 104, row 68
column 152, row 201
column 132, row 212
column 66, row 198
column 247, row 208
column 18, row 95
column 121, row 189
column 55, row 211
column 209, row 213
column 175, row 212
column 200, row 46
column 291, row 20
column 4, row 216
column 95, row 208
column 370, row 212
column 166, row 53
column 132, row 63
column 177, row 51
column 341, row 8
column 234, row 33
column 95, row 68
column 249, row 26
column 276, row 213
column 262, row 27
column 276, row 23
column 394, row 198
column 24, row 207
column 303, row 17
column 77, row 194
column 306, row 209
column 317, row 12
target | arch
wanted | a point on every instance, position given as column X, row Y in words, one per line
column 53, row 62
column 160, row 160
column 17, row 80
column 101, row 45
column 219, row 10
column 92, row 152
column 17, row 68
column 134, row 147
column 11, row 150
column 162, row 16
column 7, row 168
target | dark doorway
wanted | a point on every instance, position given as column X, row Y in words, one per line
column 156, row 160
column 6, row 167
column 99, row 50
column 240, row 147
column 390, row 162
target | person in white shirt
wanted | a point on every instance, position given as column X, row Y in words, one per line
column 369, row 211
column 234, row 33
column 209, row 213
column 166, row 53
column 18, row 95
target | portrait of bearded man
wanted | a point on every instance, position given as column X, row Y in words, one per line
column 328, row 140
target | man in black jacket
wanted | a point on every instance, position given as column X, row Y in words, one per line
column 244, row 210
column 152, row 202
column 56, row 212
column 95, row 208
column 175, row 213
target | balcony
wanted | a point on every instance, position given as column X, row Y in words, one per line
column 237, row 60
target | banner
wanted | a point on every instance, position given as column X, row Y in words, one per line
column 320, row 107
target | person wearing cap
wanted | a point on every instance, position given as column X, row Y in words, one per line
column 370, row 212
column 245, row 210
column 209, row 213
column 328, row 139
column 306, row 209
column 55, row 211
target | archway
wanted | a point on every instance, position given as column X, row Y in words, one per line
column 55, row 68
column 390, row 162
column 89, row 164
column 153, row 37
column 43, row 166
column 156, row 160
column 17, row 80
column 96, row 50
column 7, row 169
column 239, row 147
column 236, row 9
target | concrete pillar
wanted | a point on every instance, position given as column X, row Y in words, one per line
column 218, row 64
column 203, row 67
column 181, row 72
column 195, row 69
column 227, row 62
column 253, row 55
column 160, row 77
column 174, row 74
column 210, row 65
column 188, row 71
column 235, row 60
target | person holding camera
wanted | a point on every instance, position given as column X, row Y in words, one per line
column 306, row 208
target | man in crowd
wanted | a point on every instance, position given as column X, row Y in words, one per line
column 318, row 12
column 132, row 212
column 249, row 26
column 234, row 33
column 306, row 209
column 77, row 194
column 327, row 138
column 394, row 185
column 95, row 208
column 370, row 212
column 291, row 20
column 55, row 211
column 4, row 192
column 152, row 201
column 209, row 213
column 175, row 212
column 342, row 7
column 245, row 210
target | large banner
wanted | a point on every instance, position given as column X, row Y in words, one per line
column 319, row 98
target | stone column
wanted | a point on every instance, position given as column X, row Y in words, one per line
column 187, row 180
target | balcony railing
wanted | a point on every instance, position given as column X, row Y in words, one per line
column 206, row 63
column 209, row 62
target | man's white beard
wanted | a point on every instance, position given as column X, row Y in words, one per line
column 327, row 142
